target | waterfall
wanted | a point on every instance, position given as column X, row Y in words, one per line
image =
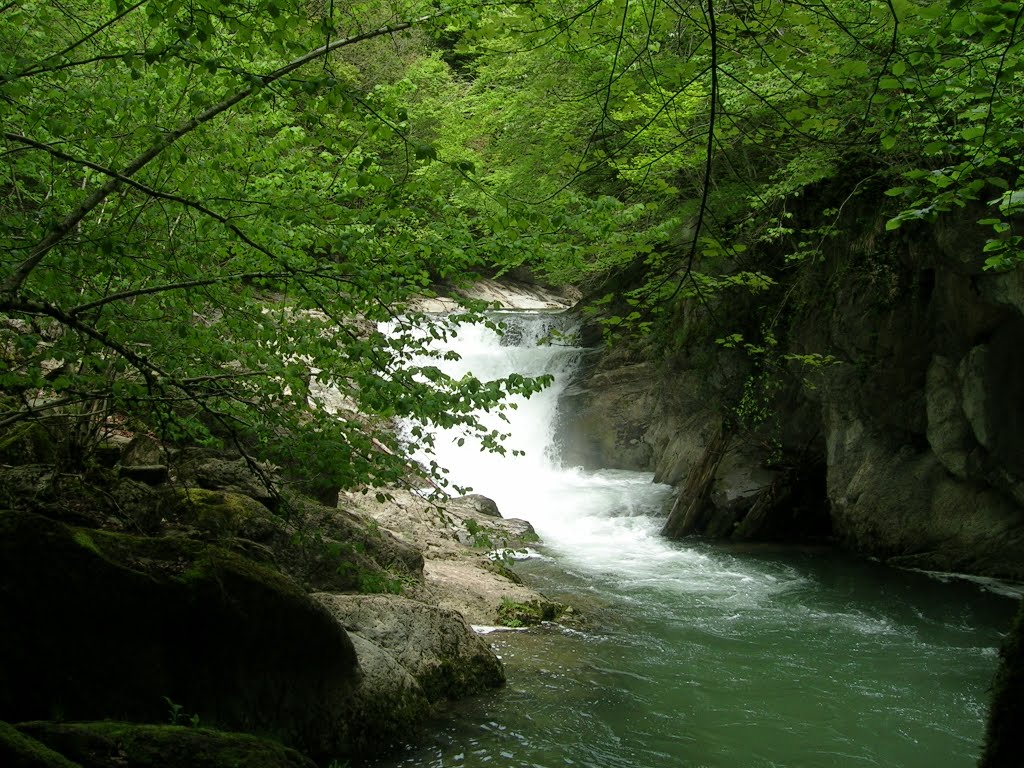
column 525, row 348
column 602, row 522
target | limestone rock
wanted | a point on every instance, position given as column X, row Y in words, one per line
column 437, row 647
column 976, row 406
column 604, row 418
column 1004, row 289
column 902, row 505
column 457, row 574
column 739, row 481
column 481, row 505
column 949, row 432
column 508, row 294
column 144, row 450
column 388, row 706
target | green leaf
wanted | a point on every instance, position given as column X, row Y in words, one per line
column 425, row 152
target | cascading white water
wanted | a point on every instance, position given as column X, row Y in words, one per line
column 702, row 656
column 604, row 522
column 589, row 517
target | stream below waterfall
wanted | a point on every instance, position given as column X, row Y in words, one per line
column 698, row 653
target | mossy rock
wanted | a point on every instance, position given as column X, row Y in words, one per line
column 223, row 473
column 530, row 613
column 20, row 751
column 1004, row 739
column 116, row 744
column 222, row 513
column 27, row 442
column 323, row 549
column 101, row 625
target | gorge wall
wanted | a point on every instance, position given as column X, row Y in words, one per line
column 908, row 447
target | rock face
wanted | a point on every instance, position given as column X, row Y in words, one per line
column 910, row 448
column 1004, row 739
column 436, row 646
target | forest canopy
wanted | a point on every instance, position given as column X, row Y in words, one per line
column 208, row 207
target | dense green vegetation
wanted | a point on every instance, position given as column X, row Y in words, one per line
column 201, row 200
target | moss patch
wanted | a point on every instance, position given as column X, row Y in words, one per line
column 533, row 612
column 113, row 745
column 83, row 539
column 21, row 751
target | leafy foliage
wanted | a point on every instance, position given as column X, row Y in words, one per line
column 672, row 146
column 208, row 208
column 205, row 216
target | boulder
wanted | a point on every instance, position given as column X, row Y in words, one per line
column 144, row 450
column 102, row 625
column 437, row 647
column 388, row 706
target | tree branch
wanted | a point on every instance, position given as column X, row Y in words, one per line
column 38, row 66
column 61, row 229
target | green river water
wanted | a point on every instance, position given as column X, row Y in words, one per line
column 820, row 661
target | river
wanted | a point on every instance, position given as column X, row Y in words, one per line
column 699, row 654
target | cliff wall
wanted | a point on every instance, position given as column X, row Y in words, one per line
column 883, row 409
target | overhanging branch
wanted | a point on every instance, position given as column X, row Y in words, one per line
column 60, row 230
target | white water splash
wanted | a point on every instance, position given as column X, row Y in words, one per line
column 605, row 523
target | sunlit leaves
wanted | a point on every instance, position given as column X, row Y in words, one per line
column 230, row 290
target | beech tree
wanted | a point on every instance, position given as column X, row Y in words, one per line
column 204, row 219
column 208, row 207
column 683, row 141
